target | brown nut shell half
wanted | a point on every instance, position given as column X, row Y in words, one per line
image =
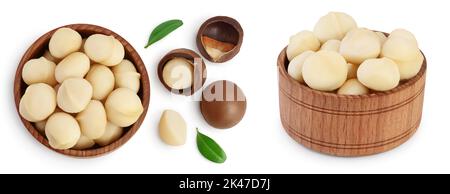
column 199, row 76
column 219, row 39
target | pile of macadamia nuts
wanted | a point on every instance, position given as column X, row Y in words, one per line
column 338, row 56
column 81, row 92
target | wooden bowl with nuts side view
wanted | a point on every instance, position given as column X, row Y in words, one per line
column 38, row 48
column 346, row 125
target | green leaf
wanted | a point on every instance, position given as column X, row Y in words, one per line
column 163, row 30
column 210, row 149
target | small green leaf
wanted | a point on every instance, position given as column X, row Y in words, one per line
column 210, row 149
column 163, row 30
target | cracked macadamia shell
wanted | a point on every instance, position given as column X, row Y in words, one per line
column 74, row 95
column 123, row 107
column 325, row 71
column 360, row 44
column 99, row 47
column 379, row 74
column 38, row 102
column 126, row 76
column 334, row 25
column 296, row 65
column 92, row 120
column 353, row 87
column 301, row 42
column 331, row 45
column 62, row 131
column 102, row 81
column 178, row 73
column 172, row 128
column 76, row 65
column 63, row 42
column 112, row 133
column 39, row 70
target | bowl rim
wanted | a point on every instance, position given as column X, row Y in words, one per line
column 132, row 56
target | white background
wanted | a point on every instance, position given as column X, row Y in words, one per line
column 256, row 145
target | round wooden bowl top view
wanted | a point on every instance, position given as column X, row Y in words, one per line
column 38, row 48
column 350, row 125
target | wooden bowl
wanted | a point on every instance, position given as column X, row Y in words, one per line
column 345, row 125
column 38, row 48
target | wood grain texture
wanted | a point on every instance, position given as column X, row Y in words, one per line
column 38, row 48
column 344, row 125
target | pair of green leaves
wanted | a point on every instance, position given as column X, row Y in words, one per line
column 210, row 149
column 162, row 30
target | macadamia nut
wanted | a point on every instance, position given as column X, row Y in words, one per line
column 99, row 47
column 38, row 102
column 172, row 128
column 379, row 74
column 102, row 81
column 112, row 133
column 353, row 87
column 39, row 70
column 325, row 70
column 360, row 44
column 62, row 131
column 296, row 65
column 123, row 107
column 331, row 45
column 178, row 73
column 63, row 42
column 301, row 42
column 84, row 143
column 50, row 57
column 126, row 76
column 76, row 65
column 334, row 25
column 74, row 95
column 92, row 120
column 116, row 56
column 402, row 33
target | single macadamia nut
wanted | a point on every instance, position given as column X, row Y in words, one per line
column 301, row 42
column 334, row 25
column 76, row 65
column 400, row 49
column 39, row 70
column 123, row 107
column 172, row 128
column 360, row 44
column 62, row 131
column 353, row 87
column 84, row 143
column 74, row 95
column 92, row 120
column 178, row 73
column 296, row 65
column 99, row 47
column 379, row 74
column 63, row 42
column 102, row 81
column 38, row 102
column 126, row 76
column 402, row 33
column 409, row 69
column 352, row 69
column 112, row 133
column 325, row 70
column 116, row 56
column 331, row 45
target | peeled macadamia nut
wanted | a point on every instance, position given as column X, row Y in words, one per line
column 126, row 76
column 63, row 42
column 334, row 25
column 360, row 44
column 301, row 42
column 172, row 128
column 76, row 65
column 123, row 107
column 84, row 143
column 102, row 81
column 296, row 65
column 92, row 120
column 38, row 102
column 62, row 131
column 178, row 73
column 409, row 69
column 352, row 69
column 325, row 71
column 379, row 74
column 331, row 45
column 404, row 34
column 353, row 87
column 74, row 95
column 116, row 56
column 99, row 47
column 39, row 70
column 112, row 133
